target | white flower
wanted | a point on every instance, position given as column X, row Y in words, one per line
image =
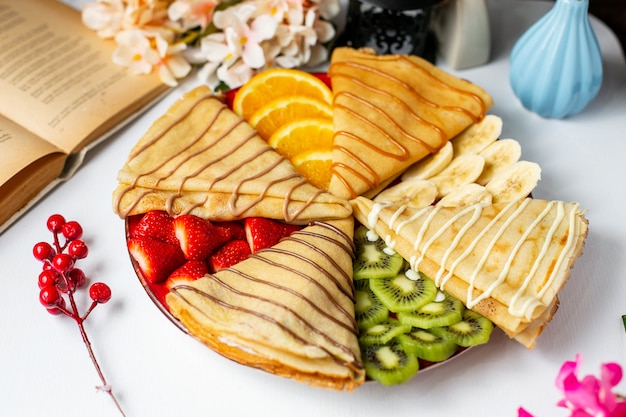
column 105, row 17
column 192, row 13
column 135, row 52
column 234, row 22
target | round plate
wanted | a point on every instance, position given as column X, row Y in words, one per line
column 157, row 292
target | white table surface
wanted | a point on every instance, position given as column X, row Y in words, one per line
column 156, row 370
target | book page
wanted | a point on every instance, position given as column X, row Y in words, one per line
column 57, row 78
column 28, row 165
column 20, row 148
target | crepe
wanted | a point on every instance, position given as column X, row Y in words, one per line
column 288, row 309
column 201, row 158
column 390, row 111
column 507, row 261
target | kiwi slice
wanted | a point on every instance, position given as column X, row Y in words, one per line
column 427, row 345
column 383, row 332
column 367, row 307
column 389, row 364
column 373, row 260
column 434, row 314
column 399, row 293
column 474, row 329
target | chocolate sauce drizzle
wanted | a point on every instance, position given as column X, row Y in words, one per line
column 237, row 209
column 344, row 243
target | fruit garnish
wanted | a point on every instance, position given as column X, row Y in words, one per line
column 157, row 225
column 276, row 113
column 402, row 317
column 60, row 279
column 302, row 135
column 372, row 261
column 156, row 259
column 315, row 165
column 263, row 233
column 389, row 363
column 188, row 272
column 274, row 83
column 198, row 237
column 229, row 254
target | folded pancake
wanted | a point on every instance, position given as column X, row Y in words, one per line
column 507, row 261
column 202, row 159
column 288, row 309
column 390, row 111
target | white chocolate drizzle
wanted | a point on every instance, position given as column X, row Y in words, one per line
column 521, row 304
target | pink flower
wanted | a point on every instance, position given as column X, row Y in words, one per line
column 589, row 396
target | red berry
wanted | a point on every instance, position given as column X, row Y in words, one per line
column 43, row 251
column 62, row 262
column 231, row 253
column 264, row 233
column 49, row 296
column 56, row 310
column 198, row 237
column 78, row 249
column 157, row 225
column 100, row 292
column 72, row 230
column 77, row 277
column 156, row 259
column 190, row 271
column 48, row 277
column 55, row 223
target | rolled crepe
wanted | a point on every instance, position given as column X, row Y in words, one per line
column 202, row 159
column 390, row 111
column 507, row 261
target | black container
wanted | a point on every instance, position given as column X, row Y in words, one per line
column 390, row 26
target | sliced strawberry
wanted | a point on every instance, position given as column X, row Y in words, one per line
column 288, row 229
column 189, row 272
column 231, row 253
column 264, row 233
column 234, row 228
column 157, row 225
column 156, row 259
column 198, row 237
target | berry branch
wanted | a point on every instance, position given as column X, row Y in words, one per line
column 60, row 279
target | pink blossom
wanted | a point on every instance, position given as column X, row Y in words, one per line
column 589, row 396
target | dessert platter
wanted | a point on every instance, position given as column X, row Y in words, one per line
column 332, row 229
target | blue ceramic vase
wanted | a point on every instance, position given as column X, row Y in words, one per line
column 556, row 65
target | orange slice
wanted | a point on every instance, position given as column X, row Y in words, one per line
column 315, row 166
column 273, row 115
column 302, row 135
column 273, row 83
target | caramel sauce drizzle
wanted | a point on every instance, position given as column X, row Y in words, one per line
column 371, row 178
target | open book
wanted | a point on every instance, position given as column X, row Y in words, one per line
column 60, row 95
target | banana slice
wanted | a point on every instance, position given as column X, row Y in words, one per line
column 463, row 169
column 499, row 154
column 431, row 165
column 478, row 136
column 514, row 181
column 466, row 195
column 413, row 192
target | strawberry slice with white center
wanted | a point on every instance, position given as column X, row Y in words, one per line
column 231, row 253
column 156, row 259
column 157, row 225
column 264, row 233
column 189, row 272
column 198, row 237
